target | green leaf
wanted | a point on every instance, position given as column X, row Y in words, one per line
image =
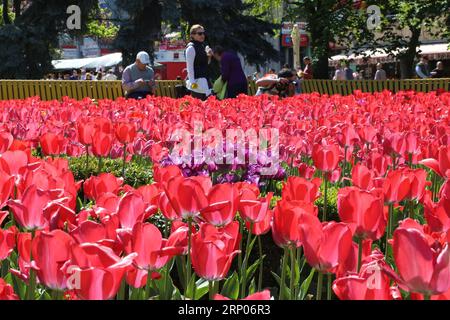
column 252, row 269
column 305, row 285
column 231, row 287
column 252, row 288
column 202, row 288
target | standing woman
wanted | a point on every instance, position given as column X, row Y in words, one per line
column 232, row 72
column 198, row 57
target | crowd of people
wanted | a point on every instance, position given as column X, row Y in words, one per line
column 83, row 74
column 139, row 79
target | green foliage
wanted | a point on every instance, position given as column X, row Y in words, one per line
column 138, row 173
column 414, row 16
column 332, row 201
column 141, row 29
column 228, row 25
column 27, row 43
column 102, row 28
column 329, row 21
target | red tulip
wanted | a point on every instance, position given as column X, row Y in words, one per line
column 213, row 250
column 288, row 215
column 7, row 291
column 163, row 175
column 97, row 271
column 12, row 162
column 101, row 144
column 372, row 283
column 326, row 245
column 262, row 227
column 396, row 186
column 125, row 132
column 7, row 242
column 442, row 165
column 29, row 211
column 263, row 295
column 52, row 144
column 94, row 187
column 347, row 136
column 187, row 196
column 50, row 252
column 6, row 188
column 179, row 236
column 362, row 177
column 24, row 253
column 363, row 211
column 222, row 207
column 6, row 140
column 86, row 132
column 326, row 156
column 255, row 210
column 131, row 210
column 93, row 232
column 300, row 189
column 422, row 262
column 148, row 243
column 418, row 182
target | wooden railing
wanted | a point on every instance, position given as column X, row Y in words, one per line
column 55, row 89
column 344, row 87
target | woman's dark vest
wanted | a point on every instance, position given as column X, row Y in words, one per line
column 201, row 60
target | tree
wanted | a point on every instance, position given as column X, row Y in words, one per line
column 228, row 25
column 140, row 29
column 330, row 21
column 28, row 41
column 415, row 17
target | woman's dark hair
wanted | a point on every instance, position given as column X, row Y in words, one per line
column 285, row 73
column 219, row 50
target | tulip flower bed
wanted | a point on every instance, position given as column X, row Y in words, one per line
column 94, row 207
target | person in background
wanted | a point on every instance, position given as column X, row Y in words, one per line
column 231, row 72
column 283, row 84
column 198, row 57
column 138, row 78
column 83, row 74
column 439, row 72
column 380, row 74
column 340, row 74
column 272, row 71
column 99, row 76
column 88, row 76
column 74, row 75
column 422, row 70
column 307, row 73
column 348, row 71
column 110, row 76
column 66, row 76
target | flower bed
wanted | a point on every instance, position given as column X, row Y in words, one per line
column 103, row 199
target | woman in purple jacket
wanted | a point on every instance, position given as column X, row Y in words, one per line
column 232, row 72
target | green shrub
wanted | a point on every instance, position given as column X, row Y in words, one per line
column 138, row 172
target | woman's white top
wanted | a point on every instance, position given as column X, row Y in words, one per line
column 201, row 84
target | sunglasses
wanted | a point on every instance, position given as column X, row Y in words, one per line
column 200, row 33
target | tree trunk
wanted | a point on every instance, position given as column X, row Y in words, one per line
column 17, row 8
column 321, row 68
column 5, row 12
column 407, row 59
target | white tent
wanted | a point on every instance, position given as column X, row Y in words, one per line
column 105, row 61
column 434, row 51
